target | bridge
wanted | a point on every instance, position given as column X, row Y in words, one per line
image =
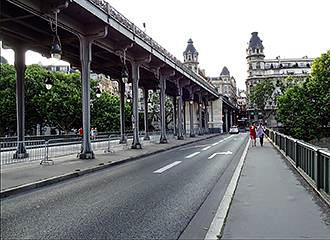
column 180, row 190
column 93, row 36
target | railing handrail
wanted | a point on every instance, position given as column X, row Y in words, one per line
column 308, row 145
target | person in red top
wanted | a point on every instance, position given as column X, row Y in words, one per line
column 81, row 132
column 253, row 134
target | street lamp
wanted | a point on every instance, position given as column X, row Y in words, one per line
column 98, row 92
column 129, row 98
column 124, row 74
column 191, row 102
column 48, row 82
column 56, row 48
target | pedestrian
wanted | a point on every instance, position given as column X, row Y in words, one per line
column 81, row 132
column 261, row 134
column 253, row 134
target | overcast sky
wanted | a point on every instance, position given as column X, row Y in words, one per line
column 221, row 29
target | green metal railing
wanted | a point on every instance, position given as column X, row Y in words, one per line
column 314, row 161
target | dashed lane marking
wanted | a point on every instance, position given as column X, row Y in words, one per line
column 206, row 148
column 193, row 154
column 163, row 169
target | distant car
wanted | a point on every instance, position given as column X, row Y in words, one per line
column 233, row 130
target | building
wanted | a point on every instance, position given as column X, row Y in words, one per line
column 241, row 105
column 276, row 70
column 226, row 85
column 221, row 113
column 106, row 84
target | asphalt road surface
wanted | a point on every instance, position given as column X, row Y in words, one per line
column 168, row 195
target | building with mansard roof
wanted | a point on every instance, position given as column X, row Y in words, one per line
column 221, row 113
column 275, row 70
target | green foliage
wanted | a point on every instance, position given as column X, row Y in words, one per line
column 305, row 108
column 261, row 94
column 61, row 106
column 105, row 113
column 7, row 99
column 155, row 109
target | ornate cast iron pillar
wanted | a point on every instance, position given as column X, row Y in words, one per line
column 20, row 94
column 180, row 129
column 175, row 116
column 123, row 139
column 145, row 94
column 200, row 107
column 191, row 116
column 206, row 116
column 86, row 58
column 135, row 117
column 163, row 138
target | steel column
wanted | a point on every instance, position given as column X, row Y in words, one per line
column 146, row 129
column 191, row 116
column 135, row 117
column 174, row 116
column 163, row 138
column 123, row 139
column 180, row 130
column 86, row 58
column 206, row 116
column 200, row 104
column 20, row 94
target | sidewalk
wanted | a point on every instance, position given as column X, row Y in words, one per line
column 23, row 176
column 272, row 202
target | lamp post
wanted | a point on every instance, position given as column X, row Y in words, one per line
column 56, row 48
column 98, row 92
column 48, row 82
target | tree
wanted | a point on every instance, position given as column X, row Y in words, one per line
column 106, row 113
column 155, row 109
column 305, row 108
column 61, row 106
column 261, row 94
column 7, row 99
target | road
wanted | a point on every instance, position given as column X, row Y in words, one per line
column 168, row 195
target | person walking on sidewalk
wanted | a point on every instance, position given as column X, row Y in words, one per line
column 261, row 134
column 253, row 134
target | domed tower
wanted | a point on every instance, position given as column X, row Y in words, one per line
column 190, row 56
column 255, row 60
column 255, row 56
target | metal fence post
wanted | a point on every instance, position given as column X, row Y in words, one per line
column 296, row 154
column 318, row 169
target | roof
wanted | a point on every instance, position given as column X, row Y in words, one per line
column 190, row 47
column 255, row 41
column 225, row 71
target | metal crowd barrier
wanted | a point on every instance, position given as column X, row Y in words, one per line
column 314, row 161
column 22, row 151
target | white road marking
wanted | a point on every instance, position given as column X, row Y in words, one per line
column 163, row 169
column 215, row 143
column 206, row 148
column 193, row 155
column 220, row 153
column 218, row 221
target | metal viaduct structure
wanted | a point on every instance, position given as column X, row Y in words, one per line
column 95, row 37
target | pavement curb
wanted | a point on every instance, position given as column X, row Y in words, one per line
column 218, row 222
column 307, row 179
column 34, row 185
